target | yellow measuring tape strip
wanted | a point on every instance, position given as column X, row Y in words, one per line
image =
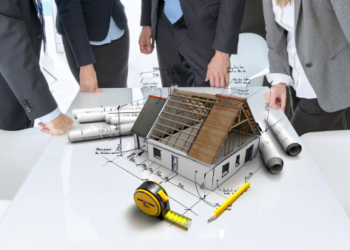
column 179, row 219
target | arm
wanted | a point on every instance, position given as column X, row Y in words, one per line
column 342, row 10
column 20, row 67
column 278, row 77
column 146, row 32
column 70, row 13
column 225, row 41
column 146, row 12
column 229, row 26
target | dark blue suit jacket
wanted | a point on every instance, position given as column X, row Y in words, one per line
column 82, row 21
column 24, row 92
column 213, row 24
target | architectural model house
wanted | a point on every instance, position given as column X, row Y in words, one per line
column 200, row 136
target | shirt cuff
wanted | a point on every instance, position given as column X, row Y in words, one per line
column 50, row 116
column 276, row 78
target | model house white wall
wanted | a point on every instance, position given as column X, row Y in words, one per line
column 199, row 172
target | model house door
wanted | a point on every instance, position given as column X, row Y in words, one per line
column 175, row 163
column 249, row 153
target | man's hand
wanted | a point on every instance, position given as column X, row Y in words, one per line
column 88, row 79
column 58, row 126
column 218, row 70
column 277, row 96
column 145, row 40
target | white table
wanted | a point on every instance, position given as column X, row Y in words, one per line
column 19, row 152
column 330, row 152
column 69, row 202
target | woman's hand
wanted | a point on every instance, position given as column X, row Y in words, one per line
column 88, row 79
column 276, row 97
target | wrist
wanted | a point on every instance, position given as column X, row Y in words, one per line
column 219, row 53
column 87, row 67
column 146, row 28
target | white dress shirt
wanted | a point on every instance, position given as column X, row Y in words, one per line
column 285, row 18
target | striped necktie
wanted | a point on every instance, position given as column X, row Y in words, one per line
column 172, row 10
column 42, row 20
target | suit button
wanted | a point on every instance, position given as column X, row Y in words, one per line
column 308, row 65
column 39, row 36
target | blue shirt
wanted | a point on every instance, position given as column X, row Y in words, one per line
column 50, row 116
column 114, row 33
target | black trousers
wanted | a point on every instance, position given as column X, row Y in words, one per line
column 179, row 60
column 111, row 62
column 308, row 116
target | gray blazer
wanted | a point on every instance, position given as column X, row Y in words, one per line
column 322, row 36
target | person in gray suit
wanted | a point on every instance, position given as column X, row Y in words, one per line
column 24, row 92
column 309, row 51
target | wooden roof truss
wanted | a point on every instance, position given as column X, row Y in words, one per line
column 181, row 119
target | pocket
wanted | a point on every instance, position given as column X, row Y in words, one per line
column 340, row 52
column 86, row 5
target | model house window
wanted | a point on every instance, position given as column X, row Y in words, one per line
column 237, row 160
column 156, row 153
column 225, row 169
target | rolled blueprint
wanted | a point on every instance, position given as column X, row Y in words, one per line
column 100, row 116
column 75, row 112
column 123, row 119
column 95, row 133
column 121, row 114
column 287, row 141
column 132, row 106
column 270, row 155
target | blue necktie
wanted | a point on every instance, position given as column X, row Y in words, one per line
column 172, row 10
column 42, row 20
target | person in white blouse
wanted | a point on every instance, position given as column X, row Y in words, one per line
column 309, row 51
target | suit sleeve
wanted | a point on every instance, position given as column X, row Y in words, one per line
column 146, row 12
column 276, row 67
column 342, row 10
column 70, row 13
column 20, row 66
column 229, row 26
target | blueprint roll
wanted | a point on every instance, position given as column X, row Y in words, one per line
column 101, row 116
column 123, row 119
column 122, row 113
column 96, row 133
column 75, row 112
column 287, row 141
column 132, row 106
column 91, row 117
column 270, row 155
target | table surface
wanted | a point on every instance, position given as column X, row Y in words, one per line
column 19, row 152
column 75, row 200
column 335, row 170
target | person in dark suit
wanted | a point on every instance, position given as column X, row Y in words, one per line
column 95, row 36
column 24, row 92
column 194, row 39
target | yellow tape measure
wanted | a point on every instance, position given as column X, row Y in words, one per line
column 152, row 199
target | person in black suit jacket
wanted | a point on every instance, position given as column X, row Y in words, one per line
column 24, row 92
column 95, row 36
column 197, row 47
